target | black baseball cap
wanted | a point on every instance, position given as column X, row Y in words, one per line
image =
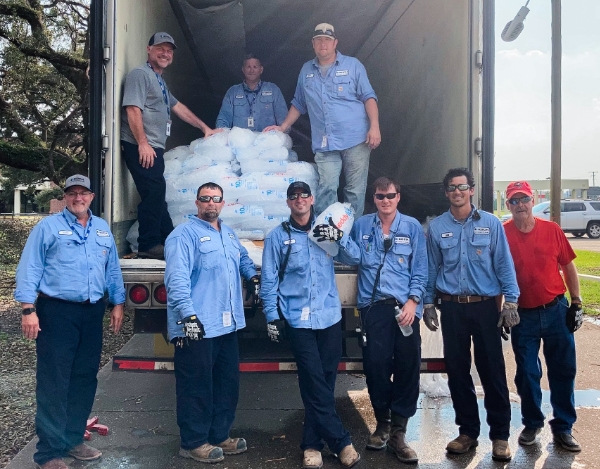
column 160, row 38
column 298, row 185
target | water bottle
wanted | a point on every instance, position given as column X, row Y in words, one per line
column 406, row 330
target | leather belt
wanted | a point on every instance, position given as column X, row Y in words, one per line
column 547, row 305
column 464, row 298
column 386, row 301
column 43, row 295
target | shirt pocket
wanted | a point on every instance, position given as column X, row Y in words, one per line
column 450, row 250
column 479, row 248
column 266, row 100
column 341, row 86
column 210, row 256
column 298, row 256
column 401, row 255
column 103, row 246
column 233, row 248
column 67, row 250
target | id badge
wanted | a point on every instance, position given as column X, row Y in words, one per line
column 169, row 127
column 324, row 142
column 226, row 319
column 250, row 121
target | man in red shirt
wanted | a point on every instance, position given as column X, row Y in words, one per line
column 539, row 248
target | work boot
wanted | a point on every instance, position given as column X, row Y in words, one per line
column 528, row 435
column 233, row 446
column 397, row 443
column 312, row 459
column 382, row 432
column 206, row 453
column 53, row 464
column 349, row 457
column 155, row 252
column 461, row 444
column 501, row 450
column 566, row 441
column 83, row 452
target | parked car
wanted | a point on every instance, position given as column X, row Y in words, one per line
column 576, row 216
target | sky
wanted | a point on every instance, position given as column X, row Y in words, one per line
column 523, row 71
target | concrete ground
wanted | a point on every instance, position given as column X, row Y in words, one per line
column 139, row 409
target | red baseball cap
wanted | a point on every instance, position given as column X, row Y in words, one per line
column 517, row 187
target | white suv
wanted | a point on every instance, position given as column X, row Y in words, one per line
column 576, row 216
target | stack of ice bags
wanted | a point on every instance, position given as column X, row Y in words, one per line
column 253, row 168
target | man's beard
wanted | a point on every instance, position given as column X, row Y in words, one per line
column 210, row 215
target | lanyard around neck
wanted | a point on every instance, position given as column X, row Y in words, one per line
column 74, row 228
column 163, row 88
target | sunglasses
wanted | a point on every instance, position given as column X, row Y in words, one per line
column 304, row 195
column 460, row 187
column 523, row 200
column 206, row 198
column 390, row 195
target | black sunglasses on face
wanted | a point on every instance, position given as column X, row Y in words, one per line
column 304, row 195
column 206, row 198
column 523, row 200
column 389, row 195
column 460, row 187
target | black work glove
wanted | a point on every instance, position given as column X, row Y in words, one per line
column 192, row 327
column 327, row 232
column 574, row 316
column 505, row 332
column 253, row 290
column 430, row 317
column 276, row 330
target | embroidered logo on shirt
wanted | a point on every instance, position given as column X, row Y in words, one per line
column 231, row 235
column 448, row 235
column 366, row 236
column 102, row 233
column 481, row 231
column 401, row 240
column 341, row 73
column 289, row 241
column 310, row 75
column 239, row 96
column 267, row 93
column 204, row 238
column 65, row 232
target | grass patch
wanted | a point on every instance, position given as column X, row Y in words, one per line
column 588, row 262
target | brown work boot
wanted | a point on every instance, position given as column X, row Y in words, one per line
column 206, row 453
column 381, row 434
column 53, row 464
column 461, row 445
column 312, row 459
column 501, row 450
column 233, row 446
column 397, row 443
column 83, row 452
column 349, row 457
column 155, row 252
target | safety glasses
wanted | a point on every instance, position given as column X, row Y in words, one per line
column 523, row 200
column 303, row 195
column 460, row 187
column 390, row 195
column 206, row 198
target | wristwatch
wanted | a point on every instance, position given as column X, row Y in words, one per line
column 415, row 298
column 27, row 311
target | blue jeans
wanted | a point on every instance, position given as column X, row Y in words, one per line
column 317, row 353
column 355, row 163
column 550, row 326
column 462, row 322
column 153, row 216
column 68, row 357
column 207, row 385
column 389, row 353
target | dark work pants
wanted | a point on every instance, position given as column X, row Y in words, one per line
column 207, row 383
column 388, row 353
column 153, row 216
column 68, row 357
column 317, row 353
column 476, row 321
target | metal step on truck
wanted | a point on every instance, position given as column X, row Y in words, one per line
column 425, row 61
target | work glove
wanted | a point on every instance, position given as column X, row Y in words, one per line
column 253, row 290
column 192, row 327
column 327, row 232
column 574, row 316
column 276, row 330
column 509, row 316
column 430, row 317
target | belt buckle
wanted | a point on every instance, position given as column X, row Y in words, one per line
column 463, row 298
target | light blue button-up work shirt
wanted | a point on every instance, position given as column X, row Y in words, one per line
column 307, row 295
column 266, row 105
column 202, row 277
column 470, row 258
column 404, row 271
column 335, row 103
column 58, row 263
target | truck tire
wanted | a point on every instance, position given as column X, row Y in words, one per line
column 593, row 229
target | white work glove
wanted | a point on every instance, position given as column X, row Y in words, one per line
column 430, row 317
column 509, row 316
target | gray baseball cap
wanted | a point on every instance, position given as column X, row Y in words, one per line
column 78, row 180
column 160, row 38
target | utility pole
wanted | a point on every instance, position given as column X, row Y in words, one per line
column 555, row 166
column 593, row 173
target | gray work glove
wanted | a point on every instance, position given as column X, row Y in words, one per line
column 327, row 232
column 509, row 316
column 430, row 317
column 276, row 330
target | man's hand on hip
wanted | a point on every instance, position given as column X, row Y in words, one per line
column 147, row 155
column 509, row 316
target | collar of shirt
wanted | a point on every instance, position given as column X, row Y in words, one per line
column 255, row 90
column 338, row 58
column 466, row 219
column 72, row 219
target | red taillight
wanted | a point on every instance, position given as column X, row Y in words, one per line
column 160, row 294
column 139, row 294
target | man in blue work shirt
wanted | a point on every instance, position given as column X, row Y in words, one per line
column 298, row 287
column 390, row 251
column 344, row 119
column 69, row 263
column 253, row 104
column 470, row 267
column 205, row 310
